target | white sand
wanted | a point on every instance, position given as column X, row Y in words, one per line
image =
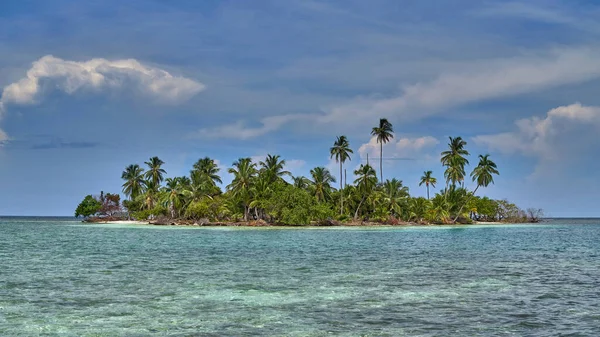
column 126, row 222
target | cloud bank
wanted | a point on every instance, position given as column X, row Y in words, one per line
column 561, row 141
column 98, row 74
column 50, row 73
column 474, row 81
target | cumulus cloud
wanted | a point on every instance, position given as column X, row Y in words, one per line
column 52, row 73
column 96, row 75
column 402, row 148
column 564, row 132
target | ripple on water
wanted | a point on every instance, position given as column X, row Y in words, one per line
column 59, row 278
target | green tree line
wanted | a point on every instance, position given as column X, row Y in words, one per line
column 266, row 191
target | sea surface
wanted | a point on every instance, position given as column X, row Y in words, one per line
column 59, row 277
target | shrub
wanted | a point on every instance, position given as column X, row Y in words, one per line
column 88, row 207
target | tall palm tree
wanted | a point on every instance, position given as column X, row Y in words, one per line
column 321, row 182
column 482, row 175
column 134, row 181
column 366, row 182
column 155, row 172
column 341, row 151
column 428, row 179
column 273, row 167
column 455, row 161
column 244, row 172
column 206, row 169
column 384, row 132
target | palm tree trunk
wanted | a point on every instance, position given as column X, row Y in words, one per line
column 427, row 191
column 465, row 203
column 341, row 191
column 357, row 208
column 245, row 213
column 381, row 161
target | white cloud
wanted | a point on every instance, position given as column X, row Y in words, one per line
column 525, row 10
column 562, row 139
column 402, row 148
column 584, row 20
column 474, row 81
column 97, row 74
column 3, row 137
column 239, row 130
column 294, row 165
column 52, row 73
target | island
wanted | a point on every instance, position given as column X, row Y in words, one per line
column 264, row 193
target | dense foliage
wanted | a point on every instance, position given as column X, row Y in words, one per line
column 264, row 190
column 104, row 205
column 88, row 207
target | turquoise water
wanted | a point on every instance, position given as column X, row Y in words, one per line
column 64, row 278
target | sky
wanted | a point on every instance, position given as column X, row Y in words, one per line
column 89, row 87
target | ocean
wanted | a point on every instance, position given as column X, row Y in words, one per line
column 59, row 277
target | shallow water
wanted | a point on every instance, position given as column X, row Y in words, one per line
column 63, row 278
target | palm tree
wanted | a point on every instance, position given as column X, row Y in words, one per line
column 383, row 132
column 428, row 179
column 244, row 172
column 455, row 161
column 439, row 211
column 155, row 172
column 273, row 167
column 365, row 183
column 175, row 196
column 419, row 208
column 395, row 196
column 150, row 194
column 321, row 182
column 341, row 151
column 206, row 169
column 261, row 191
column 134, row 181
column 301, row 182
column 482, row 175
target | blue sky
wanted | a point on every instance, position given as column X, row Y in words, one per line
column 92, row 86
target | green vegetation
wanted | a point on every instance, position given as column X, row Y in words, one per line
column 383, row 132
column 105, row 206
column 88, row 207
column 266, row 192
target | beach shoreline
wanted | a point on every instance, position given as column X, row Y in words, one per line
column 175, row 223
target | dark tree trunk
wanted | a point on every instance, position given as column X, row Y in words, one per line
column 381, row 161
column 341, row 191
column 358, row 208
